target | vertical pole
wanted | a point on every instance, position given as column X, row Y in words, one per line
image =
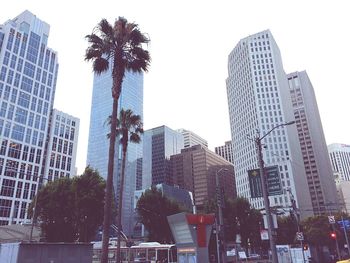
column 217, row 241
column 34, row 216
column 266, row 201
column 219, row 204
column 336, row 243
column 346, row 234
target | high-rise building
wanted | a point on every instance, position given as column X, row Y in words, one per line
column 225, row 151
column 28, row 73
column 195, row 168
column 191, row 139
column 62, row 145
column 339, row 155
column 313, row 144
column 259, row 100
column 158, row 145
column 98, row 145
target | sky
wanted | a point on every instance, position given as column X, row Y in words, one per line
column 190, row 43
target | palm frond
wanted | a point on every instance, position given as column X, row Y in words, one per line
column 100, row 65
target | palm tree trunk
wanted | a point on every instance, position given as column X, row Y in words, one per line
column 109, row 185
column 120, row 202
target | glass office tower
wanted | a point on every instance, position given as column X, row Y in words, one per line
column 97, row 156
column 28, row 72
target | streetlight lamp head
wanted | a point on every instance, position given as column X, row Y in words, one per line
column 290, row 123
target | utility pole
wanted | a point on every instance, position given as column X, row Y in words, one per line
column 220, row 232
column 264, row 187
column 266, row 201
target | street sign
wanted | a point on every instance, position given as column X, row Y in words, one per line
column 264, row 234
column 345, row 223
column 273, row 181
column 331, row 219
column 300, row 236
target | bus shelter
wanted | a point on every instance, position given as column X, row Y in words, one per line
column 192, row 234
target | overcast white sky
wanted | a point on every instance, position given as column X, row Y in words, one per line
column 190, row 43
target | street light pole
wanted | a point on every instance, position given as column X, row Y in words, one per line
column 258, row 145
column 34, row 209
column 219, row 230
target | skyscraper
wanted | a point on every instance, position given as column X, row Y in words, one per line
column 313, row 144
column 225, row 151
column 340, row 159
column 191, row 139
column 28, row 73
column 259, row 100
column 158, row 145
column 62, row 145
column 98, row 145
column 195, row 168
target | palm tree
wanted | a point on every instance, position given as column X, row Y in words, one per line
column 129, row 128
column 118, row 47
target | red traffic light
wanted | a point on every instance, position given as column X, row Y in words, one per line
column 333, row 235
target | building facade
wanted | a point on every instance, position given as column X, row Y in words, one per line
column 62, row 146
column 225, row 151
column 28, row 73
column 312, row 143
column 195, row 168
column 191, row 139
column 258, row 101
column 339, row 155
column 98, row 144
column 158, row 145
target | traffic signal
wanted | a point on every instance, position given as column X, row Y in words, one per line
column 333, row 235
column 305, row 247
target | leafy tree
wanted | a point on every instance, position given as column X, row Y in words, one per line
column 89, row 190
column 121, row 46
column 55, row 211
column 286, row 230
column 239, row 218
column 71, row 209
column 153, row 209
column 129, row 128
column 316, row 230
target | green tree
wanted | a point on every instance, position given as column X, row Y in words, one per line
column 89, row 190
column 239, row 218
column 71, row 209
column 121, row 46
column 286, row 230
column 316, row 230
column 153, row 209
column 129, row 128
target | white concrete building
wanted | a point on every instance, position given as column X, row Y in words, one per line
column 339, row 155
column 191, row 139
column 28, row 72
column 259, row 100
column 62, row 147
column 313, row 144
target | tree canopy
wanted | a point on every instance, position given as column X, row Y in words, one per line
column 71, row 209
column 239, row 218
column 153, row 209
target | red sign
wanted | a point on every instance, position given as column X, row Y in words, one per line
column 201, row 221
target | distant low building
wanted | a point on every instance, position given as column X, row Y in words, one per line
column 195, row 168
column 191, row 139
column 181, row 196
column 225, row 151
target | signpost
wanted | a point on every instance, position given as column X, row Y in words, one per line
column 273, row 181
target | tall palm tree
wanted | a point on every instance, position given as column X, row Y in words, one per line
column 129, row 128
column 119, row 47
